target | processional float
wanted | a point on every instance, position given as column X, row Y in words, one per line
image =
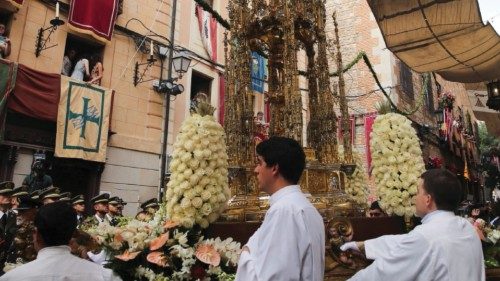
column 279, row 29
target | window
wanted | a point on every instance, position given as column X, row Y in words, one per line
column 406, row 79
column 6, row 20
column 200, row 83
column 81, row 48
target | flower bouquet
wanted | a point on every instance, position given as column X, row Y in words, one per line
column 171, row 246
column 489, row 237
column 446, row 101
column 397, row 163
column 198, row 189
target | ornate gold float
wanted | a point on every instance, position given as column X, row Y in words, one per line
column 279, row 29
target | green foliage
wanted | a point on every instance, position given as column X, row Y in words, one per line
column 488, row 144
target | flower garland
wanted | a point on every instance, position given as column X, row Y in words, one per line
column 397, row 163
column 198, row 189
column 163, row 250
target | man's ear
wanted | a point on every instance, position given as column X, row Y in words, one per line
column 275, row 170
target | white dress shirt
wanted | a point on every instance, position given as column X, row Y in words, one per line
column 444, row 248
column 290, row 243
column 58, row 264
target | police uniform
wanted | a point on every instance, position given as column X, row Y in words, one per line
column 147, row 212
column 22, row 250
column 49, row 193
column 95, row 219
column 112, row 219
column 8, row 227
column 78, row 200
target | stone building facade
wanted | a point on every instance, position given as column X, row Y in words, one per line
column 131, row 170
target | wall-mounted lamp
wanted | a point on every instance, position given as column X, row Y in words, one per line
column 139, row 79
column 181, row 63
column 41, row 42
column 493, row 95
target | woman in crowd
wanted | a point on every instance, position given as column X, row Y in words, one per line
column 97, row 70
column 81, row 69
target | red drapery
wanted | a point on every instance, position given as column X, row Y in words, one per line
column 36, row 94
column 16, row 3
column 94, row 17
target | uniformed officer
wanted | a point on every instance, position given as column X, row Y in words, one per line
column 49, row 195
column 8, row 227
column 78, row 203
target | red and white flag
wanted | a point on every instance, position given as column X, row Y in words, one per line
column 208, row 31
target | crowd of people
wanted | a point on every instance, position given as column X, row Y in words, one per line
column 41, row 229
column 19, row 209
column 83, row 67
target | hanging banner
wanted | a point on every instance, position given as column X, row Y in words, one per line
column 94, row 17
column 352, row 129
column 83, row 121
column 8, row 73
column 208, row 31
column 258, row 72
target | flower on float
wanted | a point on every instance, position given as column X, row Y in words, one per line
column 397, row 163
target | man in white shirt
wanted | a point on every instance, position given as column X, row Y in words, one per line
column 55, row 224
column 444, row 247
column 290, row 244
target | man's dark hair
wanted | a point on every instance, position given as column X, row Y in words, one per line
column 56, row 223
column 286, row 153
column 444, row 188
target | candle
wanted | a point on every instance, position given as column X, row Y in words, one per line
column 57, row 9
column 151, row 48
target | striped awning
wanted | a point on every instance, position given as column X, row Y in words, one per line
column 444, row 36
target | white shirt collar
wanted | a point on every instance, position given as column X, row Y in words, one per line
column 53, row 251
column 436, row 214
column 99, row 218
column 282, row 192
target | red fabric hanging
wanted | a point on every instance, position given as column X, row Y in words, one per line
column 36, row 94
column 94, row 17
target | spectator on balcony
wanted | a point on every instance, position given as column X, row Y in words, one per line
column 97, row 69
column 4, row 43
column 67, row 65
column 81, row 69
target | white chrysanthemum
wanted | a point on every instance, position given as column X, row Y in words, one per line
column 397, row 163
column 198, row 187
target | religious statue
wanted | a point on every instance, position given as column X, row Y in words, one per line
column 261, row 131
column 37, row 179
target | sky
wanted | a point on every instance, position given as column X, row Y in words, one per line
column 490, row 11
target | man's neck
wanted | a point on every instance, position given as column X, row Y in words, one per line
column 100, row 214
column 279, row 184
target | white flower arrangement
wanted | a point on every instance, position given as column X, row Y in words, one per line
column 198, row 189
column 397, row 163
column 357, row 183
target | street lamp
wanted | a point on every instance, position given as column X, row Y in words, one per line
column 493, row 95
column 181, row 63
